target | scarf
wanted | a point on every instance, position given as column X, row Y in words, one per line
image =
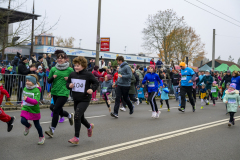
column 31, row 87
column 63, row 66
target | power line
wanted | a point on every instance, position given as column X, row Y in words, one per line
column 212, row 13
column 217, row 11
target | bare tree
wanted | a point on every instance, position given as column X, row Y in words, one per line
column 238, row 61
column 230, row 58
column 67, row 42
column 159, row 26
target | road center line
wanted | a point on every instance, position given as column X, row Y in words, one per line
column 177, row 132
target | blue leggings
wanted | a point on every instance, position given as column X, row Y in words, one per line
column 24, row 121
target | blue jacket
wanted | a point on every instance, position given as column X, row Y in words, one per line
column 153, row 79
column 126, row 73
column 140, row 93
column 236, row 80
column 159, row 64
column 164, row 94
column 40, row 76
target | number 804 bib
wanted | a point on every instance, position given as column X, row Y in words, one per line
column 79, row 85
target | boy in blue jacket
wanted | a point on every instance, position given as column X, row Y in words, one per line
column 140, row 94
column 152, row 80
column 164, row 96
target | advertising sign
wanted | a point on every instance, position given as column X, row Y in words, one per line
column 105, row 44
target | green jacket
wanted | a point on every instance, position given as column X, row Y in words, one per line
column 214, row 94
column 233, row 100
column 33, row 94
column 140, row 74
column 132, row 87
column 59, row 83
column 207, row 81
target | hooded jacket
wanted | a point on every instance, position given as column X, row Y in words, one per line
column 207, row 81
column 233, row 100
column 153, row 79
column 22, row 69
column 236, row 80
column 164, row 93
column 126, row 73
column 2, row 93
column 83, row 81
column 106, row 85
column 226, row 79
column 132, row 87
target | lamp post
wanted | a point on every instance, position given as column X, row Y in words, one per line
column 31, row 52
column 98, row 32
column 80, row 43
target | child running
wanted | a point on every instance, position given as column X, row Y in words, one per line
column 61, row 120
column 106, row 88
column 164, row 96
column 152, row 79
column 140, row 94
column 203, row 95
column 30, row 106
column 82, row 84
column 224, row 92
column 214, row 91
column 232, row 100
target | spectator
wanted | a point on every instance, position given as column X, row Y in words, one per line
column 101, row 64
column 15, row 62
column 226, row 79
column 175, row 82
column 49, row 61
column 90, row 65
column 3, row 70
column 40, row 63
column 159, row 63
column 41, row 75
column 139, row 73
column 109, row 64
column 54, row 62
column 136, row 81
column 152, row 62
column 33, row 60
column 45, row 61
column 9, row 79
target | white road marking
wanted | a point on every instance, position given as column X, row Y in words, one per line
column 165, row 108
column 144, row 141
column 67, row 119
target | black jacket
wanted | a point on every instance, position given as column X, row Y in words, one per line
column 227, row 79
column 22, row 69
column 48, row 59
column 38, row 64
column 90, row 83
column 137, row 78
column 175, row 79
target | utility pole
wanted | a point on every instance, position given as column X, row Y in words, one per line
column 31, row 52
column 213, row 50
column 80, row 43
column 98, row 32
column 125, row 50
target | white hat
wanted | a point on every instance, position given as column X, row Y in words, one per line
column 39, row 67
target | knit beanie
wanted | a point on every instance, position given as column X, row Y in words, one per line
column 32, row 79
column 152, row 67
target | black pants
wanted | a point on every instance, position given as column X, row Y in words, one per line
column 231, row 116
column 188, row 90
column 122, row 91
column 124, row 104
column 59, row 102
column 151, row 99
column 161, row 101
column 42, row 93
column 213, row 99
column 80, row 108
column 106, row 98
column 132, row 98
column 21, row 85
column 194, row 94
column 37, row 125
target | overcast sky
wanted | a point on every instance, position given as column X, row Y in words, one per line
column 124, row 20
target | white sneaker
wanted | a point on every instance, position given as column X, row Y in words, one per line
column 123, row 109
column 158, row 114
column 137, row 101
column 154, row 114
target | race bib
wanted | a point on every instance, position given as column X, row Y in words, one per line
column 178, row 89
column 151, row 84
column 79, row 85
column 184, row 78
column 213, row 89
column 30, row 95
column 231, row 100
column 104, row 90
column 139, row 92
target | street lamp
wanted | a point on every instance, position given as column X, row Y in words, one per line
column 98, row 32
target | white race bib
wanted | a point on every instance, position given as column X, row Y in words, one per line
column 213, row 90
column 184, row 78
column 151, row 84
column 231, row 100
column 30, row 95
column 104, row 90
column 79, row 85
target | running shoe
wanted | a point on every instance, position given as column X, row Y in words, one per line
column 229, row 124
column 202, row 107
column 181, row 109
column 61, row 120
column 168, row 110
column 114, row 115
column 131, row 111
column 233, row 122
column 154, row 114
column 227, row 113
column 161, row 105
column 10, row 124
column 207, row 103
column 49, row 133
column 90, row 130
column 74, row 140
column 158, row 114
column 147, row 102
column 26, row 130
column 123, row 109
column 214, row 104
column 71, row 120
column 193, row 108
column 41, row 140
column 137, row 101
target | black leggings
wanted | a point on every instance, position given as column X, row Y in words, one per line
column 151, row 99
column 161, row 101
column 80, row 108
column 132, row 98
column 106, row 98
column 231, row 116
column 213, row 99
column 24, row 121
column 59, row 102
column 194, row 94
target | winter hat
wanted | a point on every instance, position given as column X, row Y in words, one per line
column 204, row 85
column 39, row 67
column 141, row 68
column 32, row 79
column 233, row 85
column 10, row 67
column 95, row 67
column 228, row 71
column 214, row 82
column 24, row 58
column 152, row 67
column 228, row 84
column 40, row 57
column 207, row 71
column 18, row 54
column 165, row 84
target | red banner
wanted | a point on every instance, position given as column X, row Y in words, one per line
column 105, row 44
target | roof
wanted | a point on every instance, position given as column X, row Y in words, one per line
column 226, row 62
column 15, row 16
column 204, row 68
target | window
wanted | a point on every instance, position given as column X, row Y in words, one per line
column 49, row 41
column 39, row 41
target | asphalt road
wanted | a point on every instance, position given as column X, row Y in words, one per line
column 175, row 135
